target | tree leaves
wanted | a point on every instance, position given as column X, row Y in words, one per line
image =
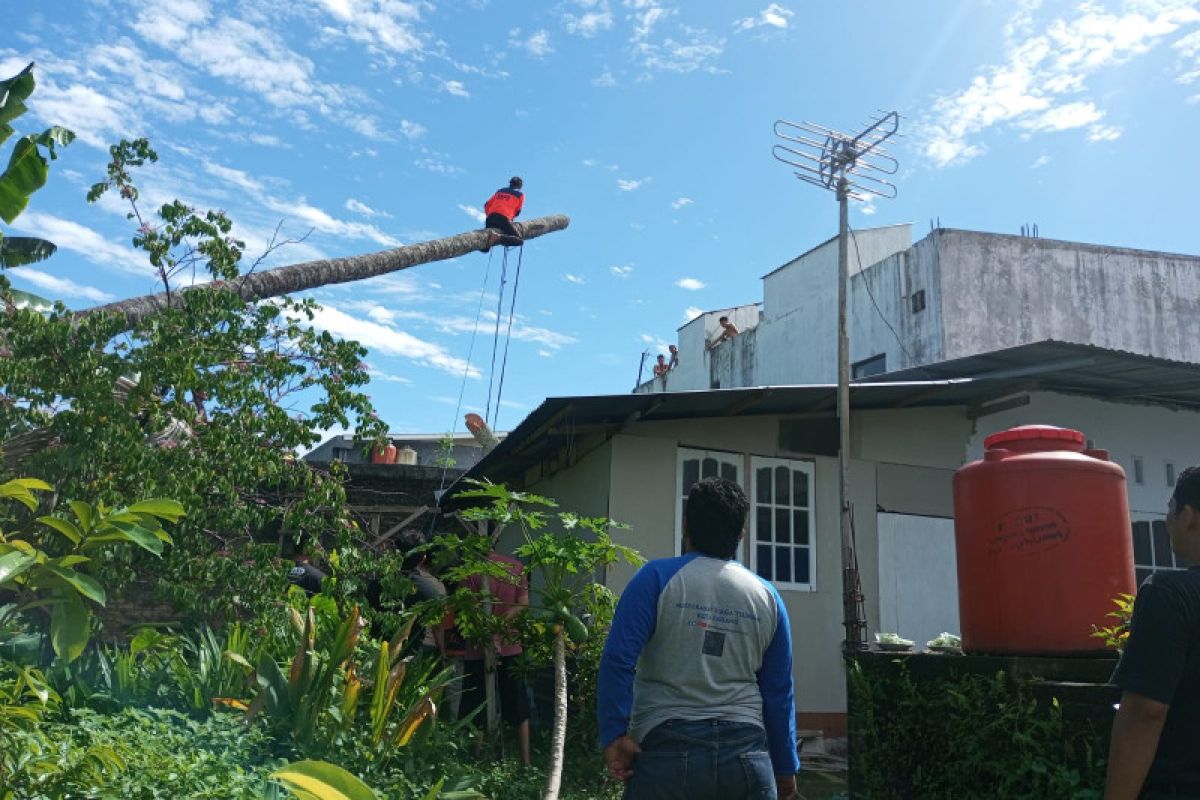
column 17, row 251
column 70, row 626
column 14, row 92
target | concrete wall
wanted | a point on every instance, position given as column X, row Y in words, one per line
column 1035, row 289
column 918, row 586
column 698, row 367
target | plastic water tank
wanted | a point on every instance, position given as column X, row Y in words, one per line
column 384, row 455
column 406, row 455
column 1043, row 542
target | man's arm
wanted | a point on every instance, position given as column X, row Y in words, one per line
column 633, row 624
column 779, row 700
column 1135, row 735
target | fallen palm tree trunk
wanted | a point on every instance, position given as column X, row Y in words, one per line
column 296, row 278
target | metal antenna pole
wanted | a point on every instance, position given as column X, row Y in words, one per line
column 855, row 627
column 851, row 166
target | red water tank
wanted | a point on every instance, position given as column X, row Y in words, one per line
column 1043, row 542
column 384, row 454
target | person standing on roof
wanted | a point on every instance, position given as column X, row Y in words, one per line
column 502, row 208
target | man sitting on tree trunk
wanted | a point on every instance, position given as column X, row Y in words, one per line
column 502, row 208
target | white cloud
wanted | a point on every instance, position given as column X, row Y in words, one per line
column 621, row 272
column 569, row 278
column 773, row 16
column 388, row 24
column 1042, row 161
column 1037, row 87
column 867, row 206
column 588, row 24
column 1104, row 133
column 438, row 163
column 680, row 202
column 412, row 130
column 691, row 284
column 631, row 185
column 696, row 53
column 390, row 341
column 537, row 44
column 324, row 222
column 473, row 212
column 605, row 80
column 455, row 88
column 359, row 207
column 86, row 242
column 589, row 162
column 691, row 312
column 59, row 287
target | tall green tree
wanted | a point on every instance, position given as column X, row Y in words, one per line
column 207, row 402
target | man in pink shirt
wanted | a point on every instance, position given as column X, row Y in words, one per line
column 510, row 597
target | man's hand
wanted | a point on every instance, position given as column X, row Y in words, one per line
column 619, row 755
column 786, row 786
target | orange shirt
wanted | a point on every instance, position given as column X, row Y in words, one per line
column 506, row 203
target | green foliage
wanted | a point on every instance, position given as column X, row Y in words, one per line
column 1114, row 636
column 206, row 402
column 991, row 738
column 43, row 570
column 320, row 780
column 445, row 452
column 26, row 172
column 138, row 754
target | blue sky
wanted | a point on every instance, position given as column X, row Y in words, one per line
column 371, row 123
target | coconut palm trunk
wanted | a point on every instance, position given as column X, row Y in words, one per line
column 296, row 278
column 558, row 736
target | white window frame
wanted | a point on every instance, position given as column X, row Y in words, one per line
column 808, row 468
column 1151, row 520
column 685, row 453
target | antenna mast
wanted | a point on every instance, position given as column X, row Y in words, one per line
column 852, row 166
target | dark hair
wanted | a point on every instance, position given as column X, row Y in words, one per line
column 672, row 348
column 516, row 182
column 723, row 319
column 1187, row 489
column 661, row 356
column 407, row 541
column 715, row 514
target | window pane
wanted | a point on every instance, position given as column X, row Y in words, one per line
column 783, row 479
column 1162, row 544
column 763, row 530
column 762, row 491
column 799, row 488
column 764, row 561
column 783, row 525
column 1141, row 543
column 800, row 527
column 783, row 564
column 1142, row 574
column 709, row 468
column 802, row 566
column 691, row 474
column 729, row 472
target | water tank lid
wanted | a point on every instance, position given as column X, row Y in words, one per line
column 1034, row 433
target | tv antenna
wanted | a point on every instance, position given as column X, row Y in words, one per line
column 852, row 166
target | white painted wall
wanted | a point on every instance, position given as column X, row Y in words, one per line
column 918, row 576
column 1155, row 434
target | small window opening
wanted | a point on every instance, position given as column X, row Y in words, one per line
column 1139, row 470
column 918, row 301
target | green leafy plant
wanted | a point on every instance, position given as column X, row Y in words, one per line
column 564, row 563
column 1114, row 636
column 54, row 573
column 27, row 171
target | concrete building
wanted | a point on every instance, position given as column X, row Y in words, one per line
column 952, row 295
column 634, row 457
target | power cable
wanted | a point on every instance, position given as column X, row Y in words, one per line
column 487, row 412
column 871, row 294
column 508, row 335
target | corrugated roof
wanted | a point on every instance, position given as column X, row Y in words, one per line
column 1050, row 366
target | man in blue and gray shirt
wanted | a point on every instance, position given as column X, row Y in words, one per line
column 695, row 693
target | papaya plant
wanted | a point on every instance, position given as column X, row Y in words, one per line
column 50, row 565
column 563, row 552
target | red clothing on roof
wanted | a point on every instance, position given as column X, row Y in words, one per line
column 506, row 202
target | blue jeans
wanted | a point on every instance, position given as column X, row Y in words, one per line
column 703, row 760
